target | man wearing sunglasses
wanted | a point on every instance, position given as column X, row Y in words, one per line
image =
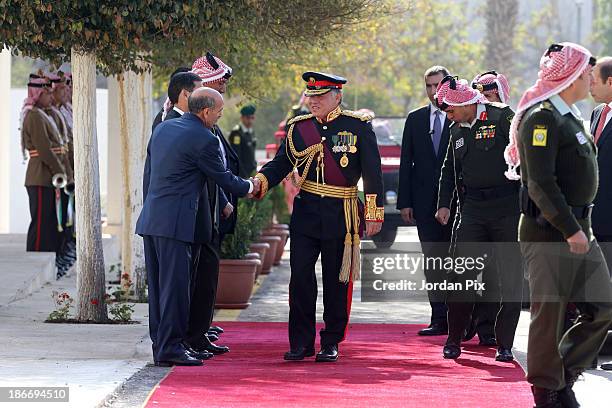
column 564, row 262
column 489, row 213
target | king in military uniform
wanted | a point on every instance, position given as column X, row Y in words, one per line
column 326, row 153
column 564, row 262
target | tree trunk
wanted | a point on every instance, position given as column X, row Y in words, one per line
column 501, row 17
column 90, row 256
column 135, row 96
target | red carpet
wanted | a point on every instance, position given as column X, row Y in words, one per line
column 380, row 365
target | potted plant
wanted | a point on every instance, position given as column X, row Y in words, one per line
column 236, row 274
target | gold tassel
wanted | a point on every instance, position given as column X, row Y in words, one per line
column 356, row 261
column 345, row 270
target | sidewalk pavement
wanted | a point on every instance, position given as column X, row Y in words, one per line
column 92, row 360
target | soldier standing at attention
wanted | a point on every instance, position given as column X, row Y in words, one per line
column 489, row 211
column 47, row 175
column 331, row 149
column 563, row 260
column 243, row 140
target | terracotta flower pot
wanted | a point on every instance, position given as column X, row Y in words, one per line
column 236, row 279
column 255, row 255
column 261, row 248
column 274, row 241
column 284, row 235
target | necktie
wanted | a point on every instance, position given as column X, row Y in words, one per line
column 437, row 132
column 602, row 121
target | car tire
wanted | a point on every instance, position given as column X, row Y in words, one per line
column 385, row 238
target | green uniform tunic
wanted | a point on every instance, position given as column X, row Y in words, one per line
column 559, row 168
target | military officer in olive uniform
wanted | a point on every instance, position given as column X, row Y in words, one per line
column 243, row 140
column 326, row 153
column 564, row 263
column 489, row 211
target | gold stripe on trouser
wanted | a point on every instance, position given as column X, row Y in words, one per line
column 351, row 262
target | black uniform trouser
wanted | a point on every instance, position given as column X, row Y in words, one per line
column 337, row 296
column 43, row 234
column 169, row 266
column 204, row 281
column 435, row 243
column 505, row 285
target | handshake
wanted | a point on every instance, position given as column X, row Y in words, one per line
column 256, row 188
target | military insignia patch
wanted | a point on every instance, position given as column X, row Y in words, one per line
column 459, row 143
column 236, row 140
column 540, row 134
column 581, row 138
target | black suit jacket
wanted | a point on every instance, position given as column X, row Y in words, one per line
column 600, row 219
column 184, row 156
column 233, row 164
column 420, row 166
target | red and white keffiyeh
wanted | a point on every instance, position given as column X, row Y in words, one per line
column 560, row 66
column 457, row 92
column 493, row 83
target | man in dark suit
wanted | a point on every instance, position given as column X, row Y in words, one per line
column 601, row 129
column 424, row 144
column 160, row 115
column 184, row 157
column 180, row 87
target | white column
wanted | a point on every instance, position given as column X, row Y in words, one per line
column 134, row 104
column 114, row 195
column 5, row 140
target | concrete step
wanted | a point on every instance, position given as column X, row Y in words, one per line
column 23, row 272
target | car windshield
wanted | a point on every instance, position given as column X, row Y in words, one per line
column 389, row 130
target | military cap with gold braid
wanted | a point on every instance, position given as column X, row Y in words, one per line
column 320, row 83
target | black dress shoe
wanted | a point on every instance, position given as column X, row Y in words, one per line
column 216, row 329
column 487, row 341
column 434, row 330
column 206, row 345
column 200, row 355
column 184, row 360
column 451, row 351
column 504, row 354
column 212, row 336
column 299, row 353
column 545, row 398
column 328, row 354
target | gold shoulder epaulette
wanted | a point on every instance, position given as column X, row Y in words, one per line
column 301, row 117
column 366, row 117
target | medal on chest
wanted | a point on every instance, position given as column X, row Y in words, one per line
column 344, row 142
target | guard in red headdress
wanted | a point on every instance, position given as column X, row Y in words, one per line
column 563, row 260
column 474, row 166
column 48, row 174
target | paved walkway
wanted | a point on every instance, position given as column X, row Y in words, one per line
column 93, row 360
